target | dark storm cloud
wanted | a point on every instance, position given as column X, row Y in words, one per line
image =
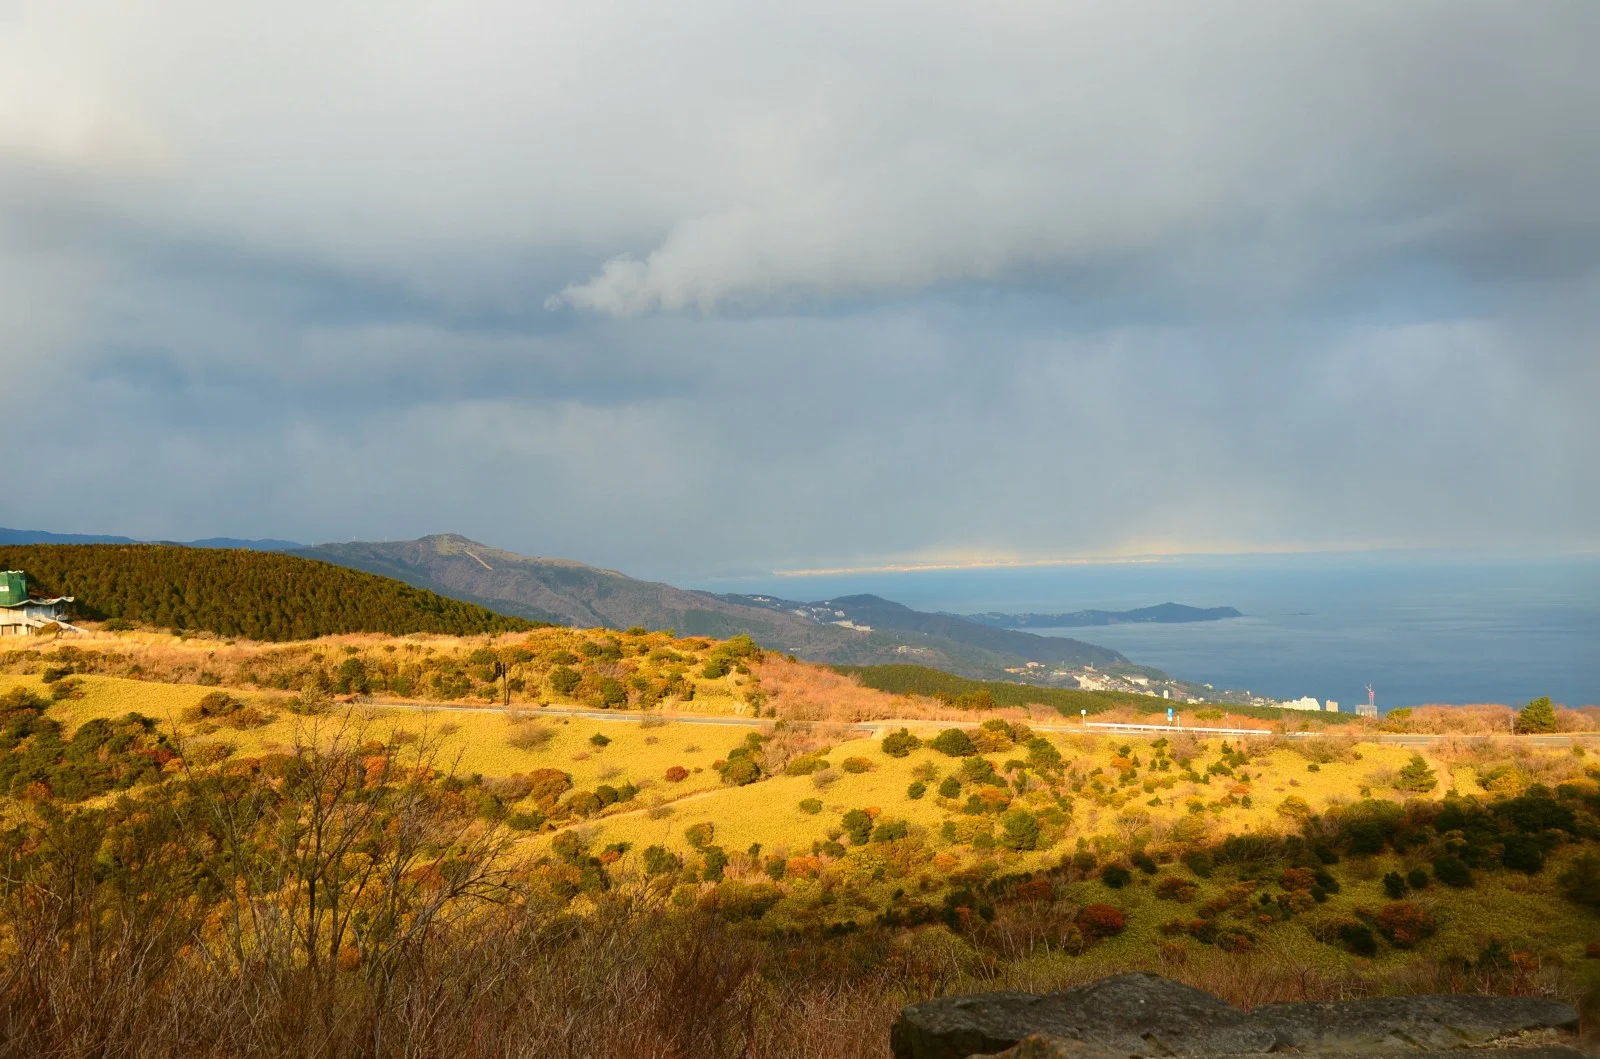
column 684, row 290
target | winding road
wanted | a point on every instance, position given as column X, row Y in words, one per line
column 879, row 727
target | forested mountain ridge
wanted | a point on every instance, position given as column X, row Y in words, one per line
column 252, row 594
column 574, row 593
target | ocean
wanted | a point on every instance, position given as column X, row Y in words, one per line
column 1418, row 628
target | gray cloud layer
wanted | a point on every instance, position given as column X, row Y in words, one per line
column 689, row 290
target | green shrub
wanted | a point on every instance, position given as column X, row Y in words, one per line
column 1523, row 853
column 1358, row 938
column 901, row 743
column 658, row 860
column 806, row 764
column 716, row 861
column 1019, row 830
column 1394, row 886
column 889, row 830
column 950, row 788
column 597, row 740
column 1417, row 879
column 1042, row 755
column 609, row 693
column 858, row 825
column 1581, row 879
column 700, row 835
column 1115, row 876
column 916, row 790
column 856, row 765
column 1452, row 872
column 811, row 806
column 954, row 742
column 564, row 681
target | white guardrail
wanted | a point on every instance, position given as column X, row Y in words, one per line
column 1116, row 727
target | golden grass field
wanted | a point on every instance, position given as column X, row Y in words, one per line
column 478, row 740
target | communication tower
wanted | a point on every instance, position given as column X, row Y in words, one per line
column 1371, row 708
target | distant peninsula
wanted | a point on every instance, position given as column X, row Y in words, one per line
column 1161, row 614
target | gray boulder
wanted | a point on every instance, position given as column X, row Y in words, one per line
column 1056, row 1048
column 1146, row 1015
column 1411, row 1022
column 1129, row 1014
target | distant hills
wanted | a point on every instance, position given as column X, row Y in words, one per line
column 259, row 595
column 859, row 630
column 1161, row 613
column 883, row 616
column 14, row 536
column 573, row 593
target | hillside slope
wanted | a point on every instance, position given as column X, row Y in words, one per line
column 884, row 615
column 569, row 592
column 252, row 594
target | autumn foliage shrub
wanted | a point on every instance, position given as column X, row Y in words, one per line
column 677, row 774
column 1176, row 888
column 1406, row 923
column 1100, row 921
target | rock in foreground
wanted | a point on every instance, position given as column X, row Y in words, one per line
column 1146, row 1015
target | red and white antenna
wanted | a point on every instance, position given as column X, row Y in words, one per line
column 1372, row 698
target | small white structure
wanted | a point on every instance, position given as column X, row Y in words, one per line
column 1307, row 703
column 1331, row 706
column 20, row 614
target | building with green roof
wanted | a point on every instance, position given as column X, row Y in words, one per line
column 21, row 614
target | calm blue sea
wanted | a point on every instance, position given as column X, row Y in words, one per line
column 1419, row 628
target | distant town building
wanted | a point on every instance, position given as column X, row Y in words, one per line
column 1331, row 706
column 21, row 614
column 1307, row 703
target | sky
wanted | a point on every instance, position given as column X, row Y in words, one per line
column 687, row 290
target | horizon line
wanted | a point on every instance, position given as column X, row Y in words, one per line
column 955, row 564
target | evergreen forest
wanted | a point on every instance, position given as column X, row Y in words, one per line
column 238, row 593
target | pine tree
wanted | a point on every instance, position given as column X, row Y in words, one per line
column 1416, row 776
column 1537, row 716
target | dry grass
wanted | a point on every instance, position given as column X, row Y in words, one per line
column 633, row 974
column 804, row 692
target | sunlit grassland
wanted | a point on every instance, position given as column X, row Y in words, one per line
column 468, row 741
